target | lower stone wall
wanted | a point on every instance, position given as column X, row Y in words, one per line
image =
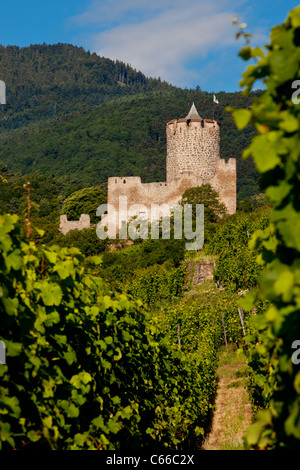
column 224, row 182
column 201, row 271
column 140, row 196
column 67, row 225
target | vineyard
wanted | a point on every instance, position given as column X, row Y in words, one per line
column 71, row 340
column 70, row 344
column 119, row 351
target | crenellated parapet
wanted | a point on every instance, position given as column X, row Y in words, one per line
column 67, row 225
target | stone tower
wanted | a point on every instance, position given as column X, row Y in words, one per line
column 193, row 146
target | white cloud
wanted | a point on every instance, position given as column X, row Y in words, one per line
column 160, row 37
column 104, row 12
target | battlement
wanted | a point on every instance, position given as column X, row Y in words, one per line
column 228, row 165
column 124, row 180
column 192, row 124
column 67, row 225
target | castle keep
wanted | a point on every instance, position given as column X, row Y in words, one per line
column 193, row 147
column 193, row 159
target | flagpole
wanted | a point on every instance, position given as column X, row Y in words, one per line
column 215, row 101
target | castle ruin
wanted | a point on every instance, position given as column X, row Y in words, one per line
column 67, row 225
column 193, row 159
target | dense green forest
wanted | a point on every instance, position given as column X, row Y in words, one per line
column 50, row 81
column 77, row 116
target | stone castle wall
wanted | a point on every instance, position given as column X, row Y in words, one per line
column 149, row 193
column 192, row 146
column 200, row 271
column 170, row 192
column 67, row 225
column 224, row 182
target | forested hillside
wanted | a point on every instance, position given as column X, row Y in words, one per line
column 49, row 81
column 72, row 113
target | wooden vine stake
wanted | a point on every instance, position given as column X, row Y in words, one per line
column 242, row 319
column 178, row 335
column 224, row 330
column 28, row 224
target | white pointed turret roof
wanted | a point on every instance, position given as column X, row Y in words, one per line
column 193, row 114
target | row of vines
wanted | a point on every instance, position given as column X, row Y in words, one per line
column 274, row 386
column 158, row 284
column 70, row 343
column 237, row 267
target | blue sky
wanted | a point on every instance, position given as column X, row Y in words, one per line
column 185, row 42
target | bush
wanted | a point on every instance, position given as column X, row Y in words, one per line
column 205, row 194
column 84, row 201
column 85, row 240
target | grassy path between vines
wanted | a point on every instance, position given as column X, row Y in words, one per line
column 233, row 413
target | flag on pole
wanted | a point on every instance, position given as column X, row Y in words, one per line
column 215, row 100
